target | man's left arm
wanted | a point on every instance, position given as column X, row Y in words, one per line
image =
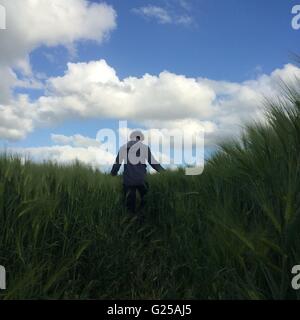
column 153, row 162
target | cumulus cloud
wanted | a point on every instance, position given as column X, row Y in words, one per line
column 67, row 150
column 93, row 90
column 17, row 119
column 31, row 24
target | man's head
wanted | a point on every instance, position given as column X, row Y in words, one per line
column 137, row 136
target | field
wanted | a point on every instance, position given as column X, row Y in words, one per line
column 231, row 233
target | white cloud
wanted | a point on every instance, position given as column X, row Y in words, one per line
column 7, row 80
column 162, row 15
column 31, row 24
column 91, row 156
column 75, row 141
column 186, row 4
column 158, row 13
column 68, row 149
column 185, row 20
column 93, row 90
column 17, row 119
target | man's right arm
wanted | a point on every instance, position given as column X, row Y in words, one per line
column 116, row 167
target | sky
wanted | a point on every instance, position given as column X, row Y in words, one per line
column 70, row 68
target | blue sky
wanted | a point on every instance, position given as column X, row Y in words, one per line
column 230, row 41
column 231, row 38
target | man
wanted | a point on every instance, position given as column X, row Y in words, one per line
column 134, row 154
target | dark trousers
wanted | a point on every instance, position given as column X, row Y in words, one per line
column 130, row 196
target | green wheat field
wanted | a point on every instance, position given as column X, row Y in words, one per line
column 231, row 233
